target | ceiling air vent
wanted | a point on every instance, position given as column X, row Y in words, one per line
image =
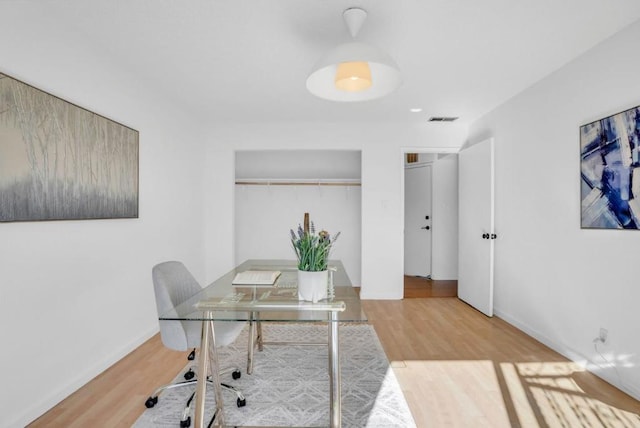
column 442, row 119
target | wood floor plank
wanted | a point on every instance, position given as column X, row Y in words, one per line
column 457, row 368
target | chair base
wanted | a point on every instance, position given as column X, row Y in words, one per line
column 185, row 421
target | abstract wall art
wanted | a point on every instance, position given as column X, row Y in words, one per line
column 59, row 161
column 610, row 171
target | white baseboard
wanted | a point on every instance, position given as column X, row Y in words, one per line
column 569, row 353
column 30, row 413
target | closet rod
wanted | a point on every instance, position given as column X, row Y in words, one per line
column 296, row 183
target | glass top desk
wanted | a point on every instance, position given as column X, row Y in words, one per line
column 223, row 301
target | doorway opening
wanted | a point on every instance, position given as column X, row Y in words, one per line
column 430, row 212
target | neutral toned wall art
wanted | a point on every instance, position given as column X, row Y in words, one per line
column 61, row 162
column 610, row 171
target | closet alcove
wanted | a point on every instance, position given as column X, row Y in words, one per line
column 273, row 190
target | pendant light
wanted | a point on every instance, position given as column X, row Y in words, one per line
column 354, row 71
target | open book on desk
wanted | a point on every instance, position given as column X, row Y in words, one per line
column 256, row 277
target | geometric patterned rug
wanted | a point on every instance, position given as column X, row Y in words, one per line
column 290, row 383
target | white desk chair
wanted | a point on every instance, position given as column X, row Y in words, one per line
column 173, row 284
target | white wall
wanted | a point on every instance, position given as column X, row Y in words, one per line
column 553, row 280
column 76, row 296
column 444, row 256
column 382, row 165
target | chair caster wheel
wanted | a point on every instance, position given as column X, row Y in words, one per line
column 189, row 375
column 241, row 403
column 186, row 423
column 151, row 401
column 192, row 355
column 236, row 374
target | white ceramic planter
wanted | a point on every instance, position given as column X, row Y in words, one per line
column 312, row 286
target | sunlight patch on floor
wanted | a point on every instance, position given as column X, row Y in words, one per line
column 453, row 393
column 484, row 393
column 560, row 400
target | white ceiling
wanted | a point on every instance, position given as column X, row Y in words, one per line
column 247, row 60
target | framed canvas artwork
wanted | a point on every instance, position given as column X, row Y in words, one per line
column 59, row 161
column 610, row 171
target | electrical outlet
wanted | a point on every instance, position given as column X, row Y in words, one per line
column 602, row 337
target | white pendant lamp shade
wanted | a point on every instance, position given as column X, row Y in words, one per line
column 354, row 71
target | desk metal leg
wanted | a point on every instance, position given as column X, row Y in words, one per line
column 215, row 377
column 252, row 335
column 335, row 399
column 208, row 366
column 251, row 345
column 259, row 327
column 203, row 368
column 255, row 334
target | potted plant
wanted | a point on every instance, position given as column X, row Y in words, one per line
column 312, row 251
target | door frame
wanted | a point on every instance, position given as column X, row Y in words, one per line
column 403, row 153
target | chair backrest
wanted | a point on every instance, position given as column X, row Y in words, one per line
column 173, row 284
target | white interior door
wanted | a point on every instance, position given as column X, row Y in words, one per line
column 476, row 226
column 417, row 221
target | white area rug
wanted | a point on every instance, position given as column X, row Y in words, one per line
column 290, row 384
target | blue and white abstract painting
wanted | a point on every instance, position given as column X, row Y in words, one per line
column 610, row 171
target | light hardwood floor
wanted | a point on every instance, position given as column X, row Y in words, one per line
column 456, row 367
column 459, row 368
column 415, row 286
